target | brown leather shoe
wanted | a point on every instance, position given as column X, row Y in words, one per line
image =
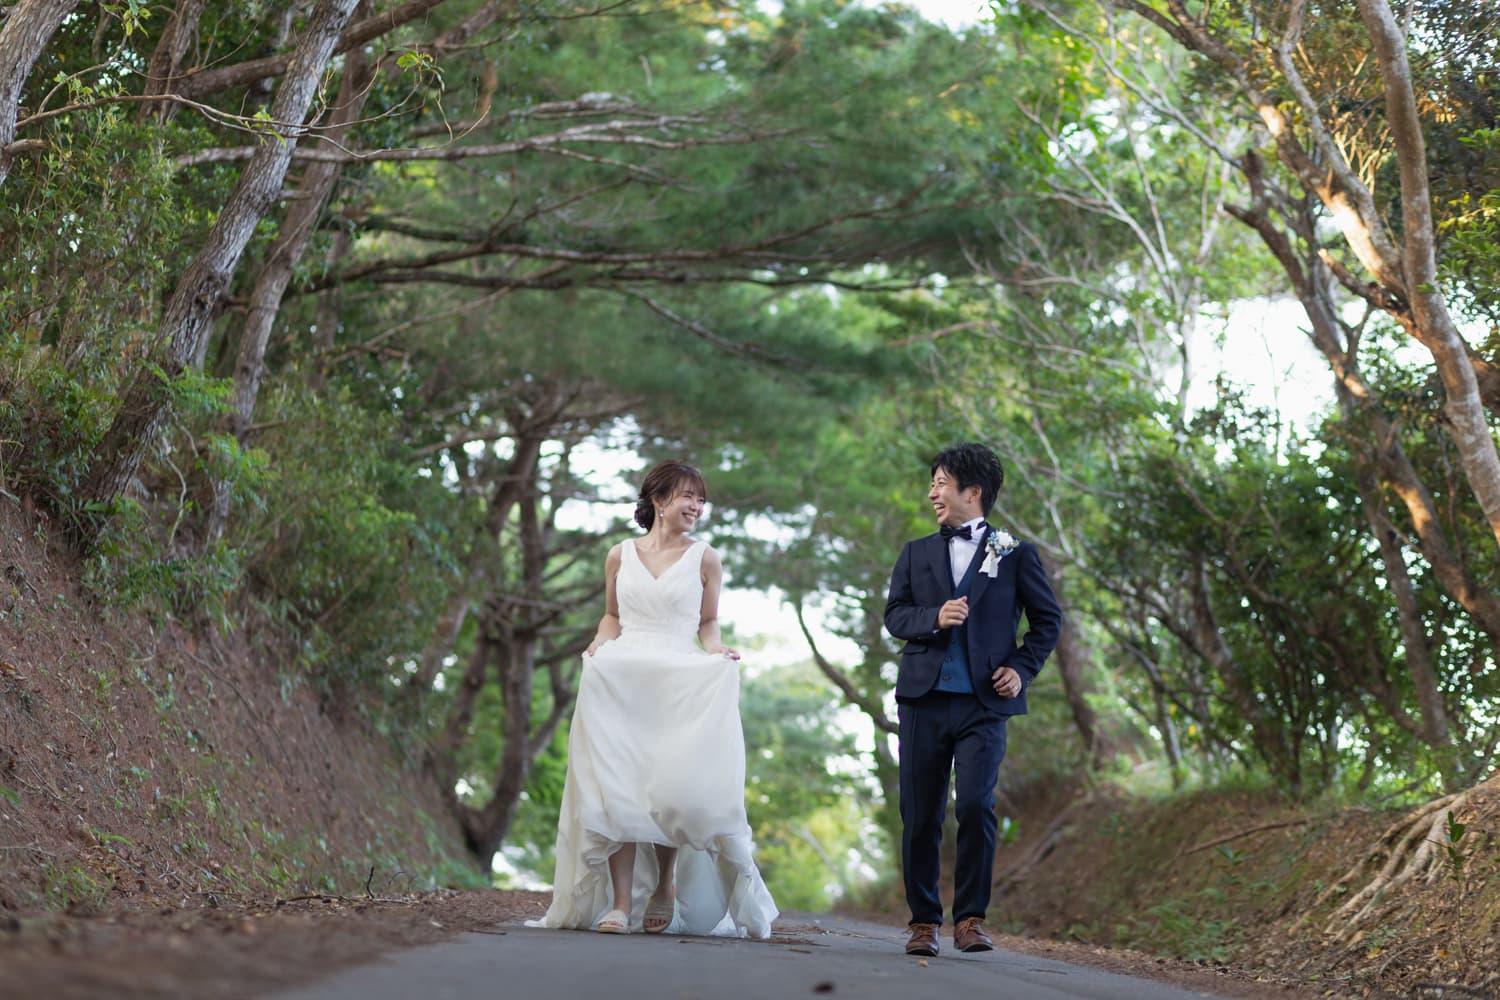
column 924, row 940
column 969, row 935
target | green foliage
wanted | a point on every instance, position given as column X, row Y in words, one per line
column 133, row 15
column 804, row 795
column 530, row 846
column 1453, row 847
column 48, row 423
column 1231, row 855
column 350, row 545
column 1182, row 928
column 70, row 887
column 123, row 572
column 1471, row 235
column 90, row 232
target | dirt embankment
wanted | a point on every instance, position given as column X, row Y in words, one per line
column 1352, row 902
column 143, row 768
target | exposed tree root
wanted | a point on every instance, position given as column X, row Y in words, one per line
column 1415, row 838
column 1278, row 825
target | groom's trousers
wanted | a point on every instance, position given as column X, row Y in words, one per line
column 942, row 733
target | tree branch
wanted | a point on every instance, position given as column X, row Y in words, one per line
column 204, row 82
column 841, row 680
column 616, row 132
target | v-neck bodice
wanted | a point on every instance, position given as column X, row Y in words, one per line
column 666, row 605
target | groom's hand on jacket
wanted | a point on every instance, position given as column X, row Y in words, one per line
column 1007, row 682
column 954, row 612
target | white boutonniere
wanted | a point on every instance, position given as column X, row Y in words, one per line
column 998, row 544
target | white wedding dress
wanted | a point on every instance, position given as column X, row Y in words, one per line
column 656, row 754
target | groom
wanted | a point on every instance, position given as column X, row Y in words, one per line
column 956, row 597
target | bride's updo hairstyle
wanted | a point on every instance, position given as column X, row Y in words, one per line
column 665, row 481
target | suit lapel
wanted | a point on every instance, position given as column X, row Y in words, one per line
column 941, row 567
column 981, row 580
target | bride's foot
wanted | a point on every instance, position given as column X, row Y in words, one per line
column 614, row 922
column 659, row 913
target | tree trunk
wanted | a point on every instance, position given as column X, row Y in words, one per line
column 887, row 767
column 516, row 664
column 330, row 302
column 1361, row 403
column 517, row 670
column 443, row 759
column 1406, row 274
column 511, row 483
column 204, row 284
column 166, row 58
column 1433, row 325
column 1414, row 639
column 513, row 634
column 444, row 635
column 1165, row 724
column 26, row 32
column 292, row 239
column 1268, row 729
column 1073, row 662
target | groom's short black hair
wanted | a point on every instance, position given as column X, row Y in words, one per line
column 973, row 465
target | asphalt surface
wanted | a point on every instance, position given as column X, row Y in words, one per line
column 813, row 957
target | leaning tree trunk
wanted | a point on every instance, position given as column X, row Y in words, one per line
column 26, row 33
column 286, row 252
column 1359, row 400
column 166, row 58
column 1405, row 273
column 1432, row 323
column 206, row 281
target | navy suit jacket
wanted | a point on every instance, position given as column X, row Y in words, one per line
column 922, row 582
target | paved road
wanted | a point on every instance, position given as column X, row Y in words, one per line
column 828, row 957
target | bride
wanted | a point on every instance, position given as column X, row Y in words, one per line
column 653, row 811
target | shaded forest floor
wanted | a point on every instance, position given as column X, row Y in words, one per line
column 184, row 817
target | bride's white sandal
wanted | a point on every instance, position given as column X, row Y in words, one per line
column 659, row 915
column 614, row 922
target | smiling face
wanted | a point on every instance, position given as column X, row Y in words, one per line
column 682, row 512
column 951, row 505
column 671, row 490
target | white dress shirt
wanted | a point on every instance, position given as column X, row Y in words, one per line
column 961, row 550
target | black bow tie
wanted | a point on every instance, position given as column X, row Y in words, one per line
column 949, row 532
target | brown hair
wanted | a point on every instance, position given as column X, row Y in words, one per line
column 665, row 481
